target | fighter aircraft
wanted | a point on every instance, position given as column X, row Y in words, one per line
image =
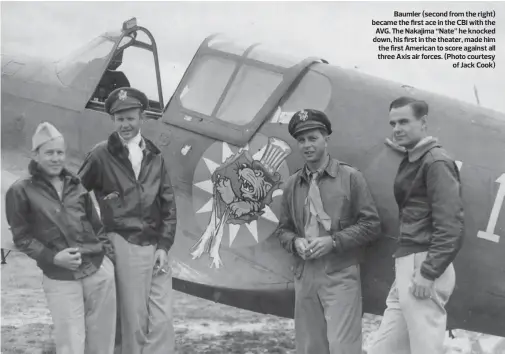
column 224, row 134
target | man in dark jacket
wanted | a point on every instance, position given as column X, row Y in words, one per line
column 427, row 189
column 53, row 220
column 327, row 216
column 130, row 180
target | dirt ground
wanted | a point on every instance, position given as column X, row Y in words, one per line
column 201, row 326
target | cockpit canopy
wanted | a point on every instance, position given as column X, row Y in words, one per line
column 82, row 67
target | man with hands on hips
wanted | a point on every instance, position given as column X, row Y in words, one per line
column 327, row 217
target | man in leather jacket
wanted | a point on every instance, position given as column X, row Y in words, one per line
column 427, row 189
column 130, row 180
column 327, row 217
column 53, row 221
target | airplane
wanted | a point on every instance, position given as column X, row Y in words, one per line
column 228, row 118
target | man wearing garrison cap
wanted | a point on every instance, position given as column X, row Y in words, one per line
column 53, row 221
column 327, row 217
column 130, row 180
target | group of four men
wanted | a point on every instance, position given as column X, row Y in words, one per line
column 328, row 215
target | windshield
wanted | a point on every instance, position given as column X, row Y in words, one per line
column 81, row 67
column 207, row 83
column 249, row 91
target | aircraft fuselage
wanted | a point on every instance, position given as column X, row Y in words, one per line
column 255, row 273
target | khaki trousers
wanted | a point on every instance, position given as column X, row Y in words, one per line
column 410, row 325
column 144, row 300
column 84, row 311
column 328, row 310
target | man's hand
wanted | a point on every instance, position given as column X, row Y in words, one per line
column 160, row 261
column 69, row 258
column 301, row 246
column 421, row 287
column 319, row 246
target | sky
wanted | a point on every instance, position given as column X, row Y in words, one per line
column 340, row 32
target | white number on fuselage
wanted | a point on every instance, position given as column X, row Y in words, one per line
column 495, row 212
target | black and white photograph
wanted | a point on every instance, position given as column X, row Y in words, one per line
column 250, row 177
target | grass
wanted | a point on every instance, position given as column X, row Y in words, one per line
column 201, row 326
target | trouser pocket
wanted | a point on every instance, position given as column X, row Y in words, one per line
column 443, row 286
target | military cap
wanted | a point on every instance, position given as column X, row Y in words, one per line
column 45, row 132
column 308, row 119
column 124, row 98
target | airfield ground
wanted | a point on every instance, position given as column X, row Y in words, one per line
column 201, row 326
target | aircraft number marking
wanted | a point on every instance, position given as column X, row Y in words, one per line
column 495, row 212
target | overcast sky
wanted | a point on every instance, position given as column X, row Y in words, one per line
column 340, row 32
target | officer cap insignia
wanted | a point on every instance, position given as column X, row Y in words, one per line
column 122, row 95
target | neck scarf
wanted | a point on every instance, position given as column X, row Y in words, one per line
column 314, row 208
column 135, row 153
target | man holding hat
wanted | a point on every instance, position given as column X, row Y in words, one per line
column 327, row 216
column 53, row 221
column 129, row 177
